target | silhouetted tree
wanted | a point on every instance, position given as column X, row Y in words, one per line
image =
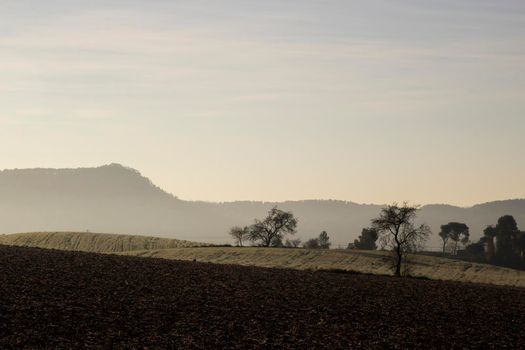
column 367, row 240
column 276, row 225
column 455, row 231
column 395, row 225
column 507, row 241
column 239, row 234
column 324, row 240
column 312, row 243
column 445, row 236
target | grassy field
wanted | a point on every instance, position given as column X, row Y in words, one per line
column 92, row 242
column 374, row 262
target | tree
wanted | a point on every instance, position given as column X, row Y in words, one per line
column 396, row 228
column 275, row 226
column 488, row 237
column 324, row 240
column 239, row 234
column 312, row 243
column 507, row 241
column 455, row 231
column 367, row 240
column 445, row 236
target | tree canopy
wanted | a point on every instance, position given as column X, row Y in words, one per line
column 273, row 228
column 367, row 239
column 456, row 232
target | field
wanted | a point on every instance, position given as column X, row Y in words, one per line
column 92, row 242
column 58, row 299
column 374, row 262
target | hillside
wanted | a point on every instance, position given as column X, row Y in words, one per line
column 55, row 299
column 92, row 242
column 374, row 262
column 114, row 198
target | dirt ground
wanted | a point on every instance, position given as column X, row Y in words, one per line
column 58, row 299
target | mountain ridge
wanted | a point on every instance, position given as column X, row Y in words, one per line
column 115, row 198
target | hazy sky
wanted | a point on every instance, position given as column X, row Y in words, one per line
column 369, row 101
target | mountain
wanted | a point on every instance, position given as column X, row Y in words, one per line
column 114, row 198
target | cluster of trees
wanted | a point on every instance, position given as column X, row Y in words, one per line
column 269, row 232
column 321, row 242
column 366, row 241
column 455, row 233
column 502, row 244
column 273, row 230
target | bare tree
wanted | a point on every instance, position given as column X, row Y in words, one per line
column 397, row 231
column 240, row 234
column 274, row 227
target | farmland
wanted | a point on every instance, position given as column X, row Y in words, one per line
column 59, row 299
column 373, row 262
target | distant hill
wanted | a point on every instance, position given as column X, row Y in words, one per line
column 114, row 198
column 92, row 242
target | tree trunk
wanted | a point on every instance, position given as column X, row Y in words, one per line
column 444, row 247
column 398, row 262
column 490, row 250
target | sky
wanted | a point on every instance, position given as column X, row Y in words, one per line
column 367, row 101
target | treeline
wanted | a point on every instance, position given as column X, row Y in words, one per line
column 502, row 244
column 395, row 230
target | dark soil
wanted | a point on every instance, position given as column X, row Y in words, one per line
column 55, row 299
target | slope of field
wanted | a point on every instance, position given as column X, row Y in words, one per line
column 57, row 299
column 375, row 262
column 92, row 242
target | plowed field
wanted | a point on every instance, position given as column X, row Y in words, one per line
column 58, row 299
